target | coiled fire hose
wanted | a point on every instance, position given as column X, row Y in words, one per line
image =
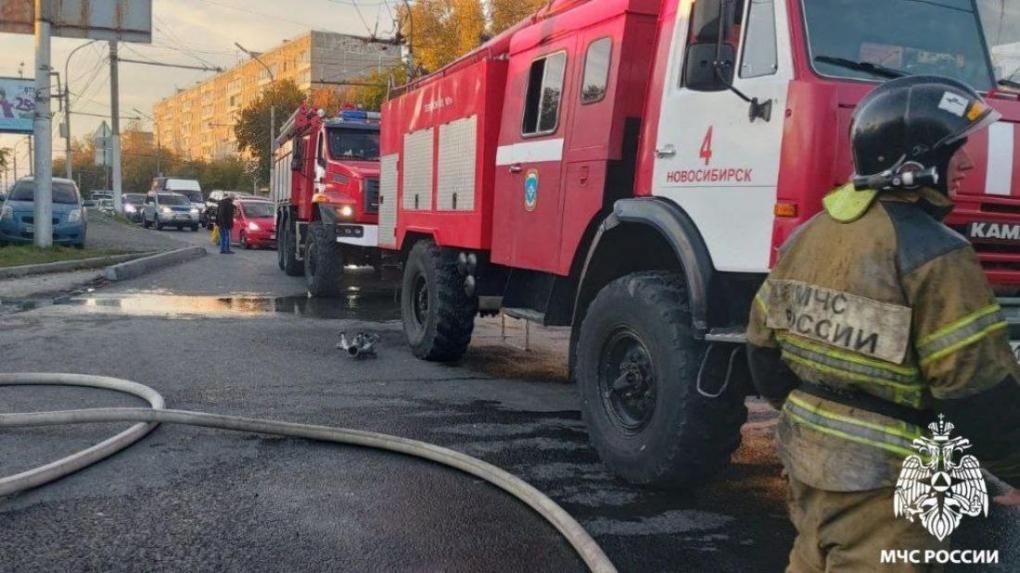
column 148, row 418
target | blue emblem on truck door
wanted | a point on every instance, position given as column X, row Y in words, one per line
column 531, row 190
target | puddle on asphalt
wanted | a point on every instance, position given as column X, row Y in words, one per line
column 371, row 306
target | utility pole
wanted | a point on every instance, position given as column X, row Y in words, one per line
column 118, row 204
column 43, row 127
column 67, row 109
column 155, row 135
column 272, row 111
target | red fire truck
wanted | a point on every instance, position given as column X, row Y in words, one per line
column 326, row 190
column 630, row 167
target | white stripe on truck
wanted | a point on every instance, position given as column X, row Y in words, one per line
column 530, row 152
column 1000, row 159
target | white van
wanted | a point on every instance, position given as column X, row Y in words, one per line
column 187, row 187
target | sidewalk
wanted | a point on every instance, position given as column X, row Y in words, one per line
column 104, row 233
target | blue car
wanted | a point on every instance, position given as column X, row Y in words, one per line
column 17, row 216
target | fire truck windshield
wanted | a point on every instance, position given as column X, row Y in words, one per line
column 877, row 39
column 357, row 144
column 1001, row 20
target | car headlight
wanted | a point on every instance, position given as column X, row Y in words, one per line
column 129, row 208
column 74, row 216
column 6, row 213
column 194, row 211
column 166, row 210
column 345, row 211
column 253, row 226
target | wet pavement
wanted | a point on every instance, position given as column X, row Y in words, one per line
column 201, row 500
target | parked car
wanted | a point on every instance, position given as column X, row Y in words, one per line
column 190, row 188
column 98, row 194
column 106, row 206
column 169, row 209
column 17, row 215
column 133, row 204
column 88, row 204
column 254, row 224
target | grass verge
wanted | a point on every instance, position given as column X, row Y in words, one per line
column 17, row 255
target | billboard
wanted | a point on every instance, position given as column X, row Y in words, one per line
column 123, row 20
column 17, row 105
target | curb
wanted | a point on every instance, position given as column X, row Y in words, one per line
column 138, row 267
column 67, row 266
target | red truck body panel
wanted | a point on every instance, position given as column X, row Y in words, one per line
column 452, row 117
column 536, row 196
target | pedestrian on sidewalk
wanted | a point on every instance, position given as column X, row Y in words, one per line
column 225, row 222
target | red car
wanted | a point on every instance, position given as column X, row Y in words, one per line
column 254, row 224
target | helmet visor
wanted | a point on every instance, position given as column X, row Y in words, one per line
column 980, row 116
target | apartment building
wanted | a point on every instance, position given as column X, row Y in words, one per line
column 198, row 122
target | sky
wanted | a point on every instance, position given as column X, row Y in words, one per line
column 192, row 32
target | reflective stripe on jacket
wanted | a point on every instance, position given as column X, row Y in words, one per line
column 894, row 305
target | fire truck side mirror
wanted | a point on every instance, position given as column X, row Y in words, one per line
column 709, row 67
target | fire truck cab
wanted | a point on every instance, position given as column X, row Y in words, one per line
column 326, row 189
column 637, row 165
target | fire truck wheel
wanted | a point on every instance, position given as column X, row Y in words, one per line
column 291, row 265
column 438, row 315
column 324, row 265
column 637, row 369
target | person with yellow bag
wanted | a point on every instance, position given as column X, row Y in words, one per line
column 214, row 235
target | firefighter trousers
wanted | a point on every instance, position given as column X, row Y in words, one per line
column 847, row 532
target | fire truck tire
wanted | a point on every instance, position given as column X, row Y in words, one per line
column 439, row 317
column 324, row 265
column 637, row 370
column 291, row 265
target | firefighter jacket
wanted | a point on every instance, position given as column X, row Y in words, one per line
column 875, row 319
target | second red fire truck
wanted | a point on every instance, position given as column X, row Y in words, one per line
column 630, row 168
column 326, row 189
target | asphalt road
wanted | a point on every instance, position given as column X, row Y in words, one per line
column 232, row 334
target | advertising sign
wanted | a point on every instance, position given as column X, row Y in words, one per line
column 123, row 20
column 17, row 105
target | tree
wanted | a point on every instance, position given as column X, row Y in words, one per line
column 506, row 13
column 252, row 128
column 442, row 30
column 372, row 95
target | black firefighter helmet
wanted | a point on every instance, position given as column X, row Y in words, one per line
column 905, row 132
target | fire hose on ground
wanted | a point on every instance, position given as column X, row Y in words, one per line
column 147, row 419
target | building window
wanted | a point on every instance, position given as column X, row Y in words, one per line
column 596, row 70
column 545, row 88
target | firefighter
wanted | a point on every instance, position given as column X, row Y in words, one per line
column 876, row 319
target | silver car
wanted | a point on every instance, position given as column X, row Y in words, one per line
column 164, row 209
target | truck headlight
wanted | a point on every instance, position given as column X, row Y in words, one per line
column 166, row 210
column 253, row 226
column 129, row 208
column 194, row 211
column 345, row 211
column 74, row 216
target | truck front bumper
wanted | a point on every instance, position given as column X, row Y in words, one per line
column 357, row 234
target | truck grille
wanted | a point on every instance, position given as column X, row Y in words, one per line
column 372, row 195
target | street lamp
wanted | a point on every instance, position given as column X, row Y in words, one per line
column 155, row 135
column 67, row 109
column 272, row 108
